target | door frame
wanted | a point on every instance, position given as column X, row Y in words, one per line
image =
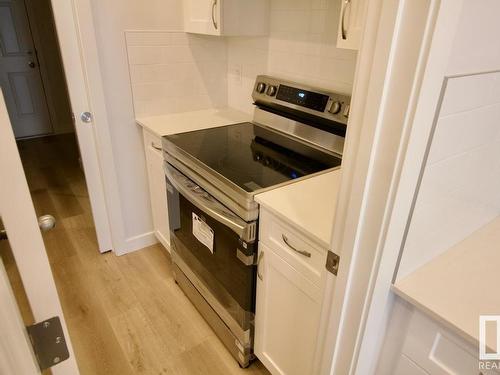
column 380, row 167
column 77, row 39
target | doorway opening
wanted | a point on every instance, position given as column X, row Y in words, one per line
column 33, row 82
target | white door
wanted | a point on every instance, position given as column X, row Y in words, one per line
column 76, row 34
column 18, row 216
column 20, row 76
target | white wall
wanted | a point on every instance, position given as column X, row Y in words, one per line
column 112, row 18
column 461, row 182
column 460, row 190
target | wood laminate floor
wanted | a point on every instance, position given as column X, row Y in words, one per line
column 125, row 314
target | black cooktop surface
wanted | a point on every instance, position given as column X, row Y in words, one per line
column 253, row 157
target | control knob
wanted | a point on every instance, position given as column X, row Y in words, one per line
column 261, row 87
column 271, row 90
column 335, row 108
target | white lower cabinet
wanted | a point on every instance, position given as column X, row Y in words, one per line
column 288, row 306
column 407, row 367
column 157, row 187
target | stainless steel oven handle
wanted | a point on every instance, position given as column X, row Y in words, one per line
column 211, row 207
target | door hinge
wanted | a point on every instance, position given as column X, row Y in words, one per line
column 49, row 345
column 332, row 262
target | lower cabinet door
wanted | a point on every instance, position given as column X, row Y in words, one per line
column 157, row 189
column 406, row 367
column 287, row 316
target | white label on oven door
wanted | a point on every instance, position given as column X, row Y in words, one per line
column 203, row 232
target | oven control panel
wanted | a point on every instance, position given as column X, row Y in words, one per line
column 302, row 98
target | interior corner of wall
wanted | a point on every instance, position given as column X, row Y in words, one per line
column 135, row 243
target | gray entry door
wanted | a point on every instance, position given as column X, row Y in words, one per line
column 20, row 78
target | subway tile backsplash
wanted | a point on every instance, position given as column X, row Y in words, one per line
column 460, row 190
column 176, row 72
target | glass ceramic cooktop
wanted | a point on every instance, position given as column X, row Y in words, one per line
column 253, row 157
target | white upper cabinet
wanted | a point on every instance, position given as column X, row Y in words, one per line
column 352, row 16
column 226, row 17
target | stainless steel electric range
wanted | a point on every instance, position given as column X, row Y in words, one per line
column 212, row 178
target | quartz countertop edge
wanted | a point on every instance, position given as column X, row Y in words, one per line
column 307, row 205
column 458, row 285
column 182, row 122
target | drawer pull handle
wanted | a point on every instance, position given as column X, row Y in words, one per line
column 214, row 4
column 301, row 252
column 342, row 23
column 155, row 146
column 259, row 275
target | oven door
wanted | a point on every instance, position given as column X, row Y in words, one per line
column 215, row 249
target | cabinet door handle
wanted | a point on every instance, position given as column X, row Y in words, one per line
column 342, row 27
column 259, row 275
column 301, row 252
column 214, row 4
column 155, row 146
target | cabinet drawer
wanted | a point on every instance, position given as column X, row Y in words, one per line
column 152, row 143
column 302, row 254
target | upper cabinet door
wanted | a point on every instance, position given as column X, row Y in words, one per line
column 202, row 16
column 352, row 17
column 226, row 17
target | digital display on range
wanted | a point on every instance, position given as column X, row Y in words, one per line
column 304, row 98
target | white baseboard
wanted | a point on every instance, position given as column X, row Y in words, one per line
column 138, row 242
column 164, row 241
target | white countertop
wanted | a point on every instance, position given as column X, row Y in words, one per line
column 461, row 284
column 194, row 120
column 308, row 205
